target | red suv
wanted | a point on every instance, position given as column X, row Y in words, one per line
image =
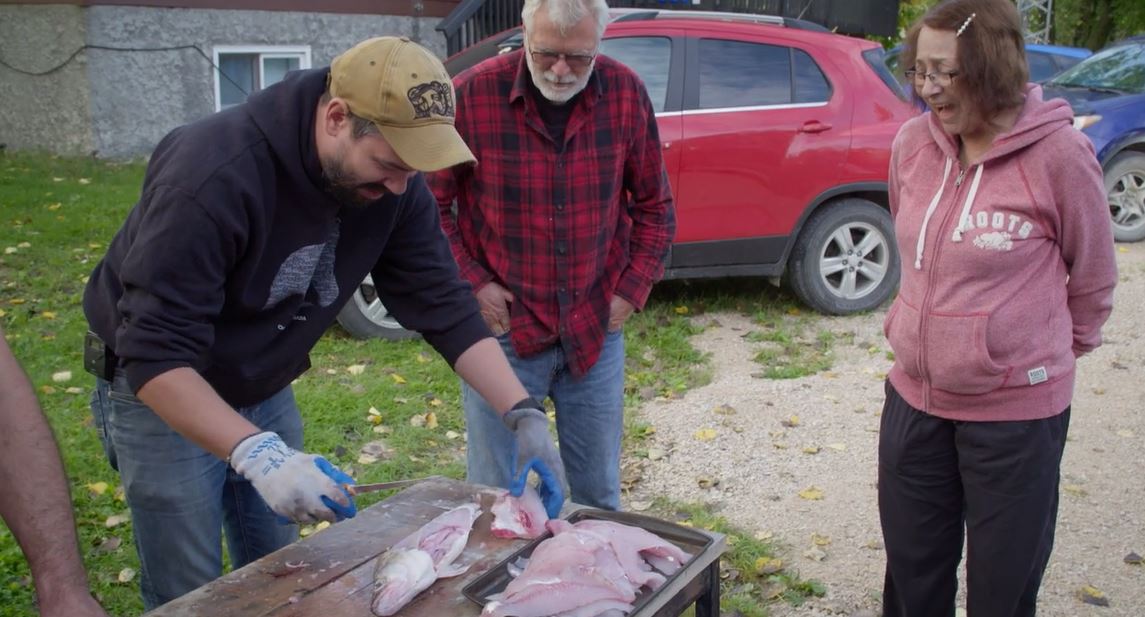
column 776, row 135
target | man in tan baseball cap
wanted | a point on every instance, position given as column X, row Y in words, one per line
column 254, row 232
column 405, row 91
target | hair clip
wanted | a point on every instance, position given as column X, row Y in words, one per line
column 964, row 24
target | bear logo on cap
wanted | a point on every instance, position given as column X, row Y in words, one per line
column 431, row 98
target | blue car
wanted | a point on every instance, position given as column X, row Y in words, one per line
column 1107, row 93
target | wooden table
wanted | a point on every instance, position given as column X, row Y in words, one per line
column 331, row 573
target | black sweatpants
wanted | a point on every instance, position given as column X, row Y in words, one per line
column 999, row 480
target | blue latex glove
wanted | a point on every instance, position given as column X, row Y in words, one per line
column 300, row 487
column 534, row 450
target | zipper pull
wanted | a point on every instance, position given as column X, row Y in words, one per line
column 958, row 180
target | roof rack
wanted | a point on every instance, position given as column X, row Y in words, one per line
column 774, row 20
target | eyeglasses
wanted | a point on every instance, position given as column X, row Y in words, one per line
column 942, row 79
column 576, row 62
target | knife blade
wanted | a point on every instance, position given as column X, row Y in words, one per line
column 358, row 489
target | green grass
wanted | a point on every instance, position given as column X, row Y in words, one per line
column 792, row 347
column 57, row 216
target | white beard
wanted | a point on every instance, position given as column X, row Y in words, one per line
column 544, row 81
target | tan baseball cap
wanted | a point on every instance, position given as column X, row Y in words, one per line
column 404, row 89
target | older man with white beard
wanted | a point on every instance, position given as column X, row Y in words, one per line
column 562, row 229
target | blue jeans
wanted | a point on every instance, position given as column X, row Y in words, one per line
column 590, row 421
column 182, row 497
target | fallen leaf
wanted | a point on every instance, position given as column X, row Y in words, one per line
column 431, row 420
column 331, row 371
column 811, row 493
column 764, row 536
column 116, row 519
column 811, row 450
column 452, row 434
column 1099, row 391
column 375, row 420
column 681, row 310
column 791, row 422
column 401, row 400
column 305, row 531
column 1075, row 489
column 422, row 357
column 706, row 434
column 1133, row 559
column 84, row 181
column 75, row 390
column 380, row 450
column 398, row 379
column 3, row 312
column 417, row 420
column 61, row 180
column 55, row 206
column 321, row 525
column 838, row 447
column 1124, row 433
column 820, row 540
column 640, row 506
column 1122, row 249
column 48, row 315
column 356, row 369
column 414, row 459
column 126, row 575
column 109, row 544
column 120, row 493
column 815, row 554
column 373, row 411
column 11, row 250
column 47, row 389
column 724, row 410
column 768, row 565
column 61, row 376
column 779, row 445
column 367, row 459
column 706, row 482
column 383, row 429
column 17, row 301
column 655, row 454
column 435, row 402
column 1092, row 595
column 98, row 488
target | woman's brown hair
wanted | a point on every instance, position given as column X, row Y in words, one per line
column 992, row 69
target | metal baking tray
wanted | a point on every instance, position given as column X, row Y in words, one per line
column 691, row 541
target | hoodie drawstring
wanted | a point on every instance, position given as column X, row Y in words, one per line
column 930, row 211
column 965, row 216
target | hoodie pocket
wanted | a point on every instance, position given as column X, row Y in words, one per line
column 901, row 329
column 957, row 358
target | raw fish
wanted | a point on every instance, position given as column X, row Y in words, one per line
column 419, row 559
column 518, row 517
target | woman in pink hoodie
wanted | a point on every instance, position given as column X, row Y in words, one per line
column 1008, row 275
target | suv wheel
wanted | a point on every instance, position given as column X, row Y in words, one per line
column 364, row 316
column 1125, row 185
column 845, row 260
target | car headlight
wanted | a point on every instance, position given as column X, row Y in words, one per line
column 1081, row 122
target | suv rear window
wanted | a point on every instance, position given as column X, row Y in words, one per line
column 874, row 57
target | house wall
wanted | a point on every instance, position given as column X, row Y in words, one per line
column 49, row 112
column 138, row 96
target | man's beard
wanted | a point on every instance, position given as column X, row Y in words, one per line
column 543, row 80
column 342, row 184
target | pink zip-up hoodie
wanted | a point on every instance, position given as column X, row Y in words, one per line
column 1008, row 266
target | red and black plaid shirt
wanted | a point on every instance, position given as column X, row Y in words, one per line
column 562, row 227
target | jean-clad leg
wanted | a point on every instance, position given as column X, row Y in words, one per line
column 180, row 494
column 252, row 528
column 1010, row 471
column 590, row 423
column 920, row 508
column 490, row 443
column 173, row 488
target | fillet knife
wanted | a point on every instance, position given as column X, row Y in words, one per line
column 358, row 489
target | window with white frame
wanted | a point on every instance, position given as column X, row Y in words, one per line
column 246, row 69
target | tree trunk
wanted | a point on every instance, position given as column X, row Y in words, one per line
column 1099, row 25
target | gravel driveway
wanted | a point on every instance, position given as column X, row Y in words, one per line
column 761, row 464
